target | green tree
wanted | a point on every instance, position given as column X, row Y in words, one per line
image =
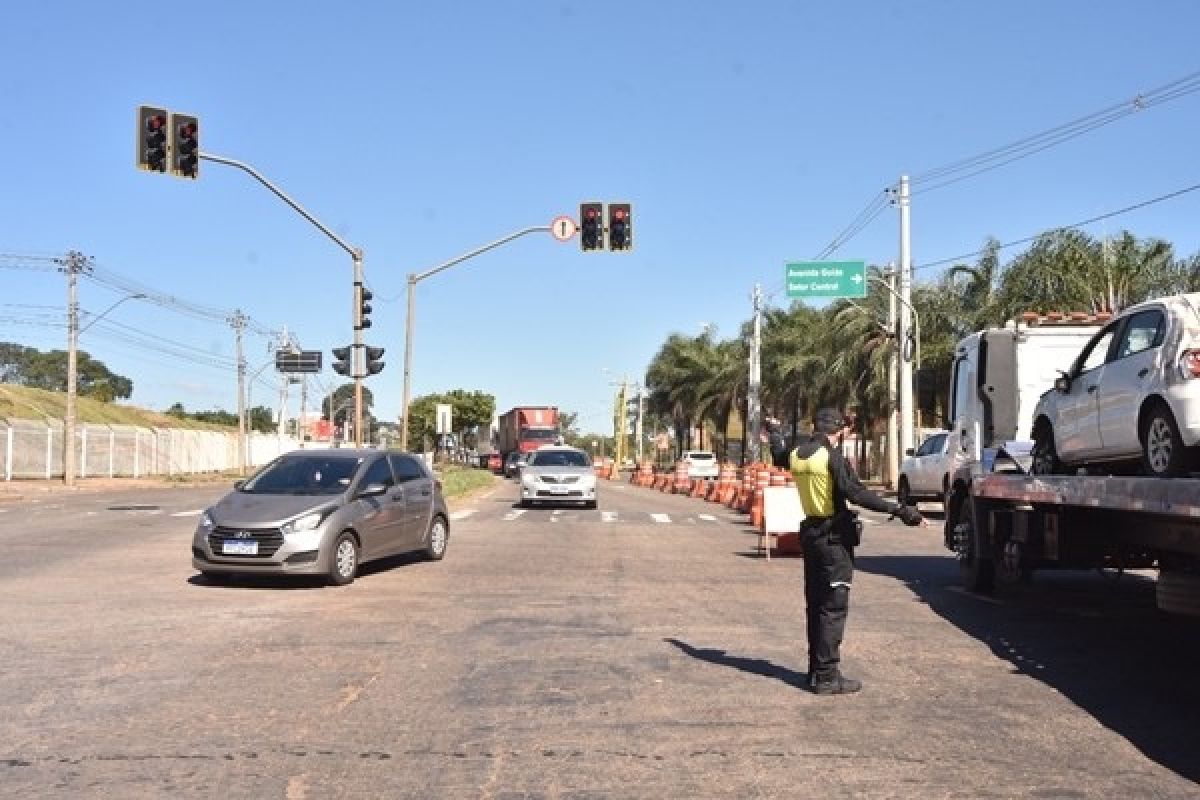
column 338, row 405
column 260, row 419
column 28, row 366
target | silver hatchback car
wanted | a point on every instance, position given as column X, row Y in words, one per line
column 323, row 512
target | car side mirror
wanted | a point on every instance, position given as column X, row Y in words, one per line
column 1062, row 384
column 237, row 485
column 373, row 490
column 910, row 452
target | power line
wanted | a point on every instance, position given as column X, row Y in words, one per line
column 1081, row 224
column 971, row 166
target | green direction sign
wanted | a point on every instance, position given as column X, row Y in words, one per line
column 817, row 279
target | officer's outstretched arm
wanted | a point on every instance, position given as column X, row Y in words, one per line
column 853, row 490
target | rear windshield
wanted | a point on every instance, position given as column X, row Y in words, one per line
column 559, row 458
column 539, row 434
column 699, row 456
column 304, row 474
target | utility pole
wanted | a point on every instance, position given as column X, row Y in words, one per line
column 72, row 266
column 637, row 428
column 753, row 401
column 238, row 322
column 891, row 459
column 906, row 364
column 301, row 426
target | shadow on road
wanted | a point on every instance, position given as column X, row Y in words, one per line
column 755, row 666
column 244, row 581
column 1101, row 643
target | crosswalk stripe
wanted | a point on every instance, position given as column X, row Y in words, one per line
column 510, row 516
column 463, row 514
column 707, row 517
column 660, row 518
column 188, row 513
column 608, row 516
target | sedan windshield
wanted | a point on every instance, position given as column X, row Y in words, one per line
column 559, row 458
column 304, row 474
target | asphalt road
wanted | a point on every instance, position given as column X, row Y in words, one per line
column 640, row 650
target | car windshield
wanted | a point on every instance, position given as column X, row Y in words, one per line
column 539, row 435
column 700, row 456
column 304, row 474
column 559, row 458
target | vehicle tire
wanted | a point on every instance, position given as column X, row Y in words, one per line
column 343, row 561
column 1045, row 456
column 523, row 503
column 1163, row 452
column 904, row 493
column 590, row 504
column 977, row 569
column 215, row 578
column 437, row 538
column 1178, row 592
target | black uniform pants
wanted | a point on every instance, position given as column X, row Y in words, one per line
column 828, row 572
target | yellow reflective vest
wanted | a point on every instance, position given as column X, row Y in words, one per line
column 814, row 482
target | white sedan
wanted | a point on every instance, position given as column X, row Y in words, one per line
column 925, row 473
column 1132, row 394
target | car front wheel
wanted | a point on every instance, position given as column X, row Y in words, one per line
column 343, row 563
column 1045, row 456
column 904, row 494
column 439, row 537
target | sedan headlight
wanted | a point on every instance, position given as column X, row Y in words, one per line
column 306, row 523
column 206, row 521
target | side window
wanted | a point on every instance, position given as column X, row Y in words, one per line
column 378, row 472
column 1096, row 353
column 406, row 468
column 926, row 447
column 1144, row 331
column 937, row 445
column 962, row 388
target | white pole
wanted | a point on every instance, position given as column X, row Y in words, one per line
column 906, row 365
column 892, row 457
column 8, row 453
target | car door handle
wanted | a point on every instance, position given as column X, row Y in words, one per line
column 1092, row 388
column 1143, row 372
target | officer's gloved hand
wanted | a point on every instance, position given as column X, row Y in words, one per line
column 910, row 516
column 773, row 425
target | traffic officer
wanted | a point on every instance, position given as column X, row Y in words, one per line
column 829, row 534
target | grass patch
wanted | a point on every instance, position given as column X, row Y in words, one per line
column 23, row 402
column 459, row 480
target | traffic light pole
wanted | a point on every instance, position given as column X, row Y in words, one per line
column 355, row 254
column 416, row 277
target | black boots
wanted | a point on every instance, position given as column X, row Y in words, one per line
column 838, row 685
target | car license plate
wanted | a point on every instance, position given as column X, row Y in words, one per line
column 558, row 490
column 239, row 547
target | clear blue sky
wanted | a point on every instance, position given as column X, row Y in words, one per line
column 745, row 135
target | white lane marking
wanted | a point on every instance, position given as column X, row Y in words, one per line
column 188, row 513
column 457, row 515
column 3, row 510
column 510, row 516
column 707, row 517
column 660, row 518
column 608, row 516
column 92, row 513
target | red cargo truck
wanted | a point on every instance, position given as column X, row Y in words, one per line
column 526, row 428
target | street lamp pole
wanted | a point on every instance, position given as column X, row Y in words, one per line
column 416, row 277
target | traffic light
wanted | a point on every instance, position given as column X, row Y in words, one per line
column 620, row 227
column 185, row 146
column 591, row 226
column 374, row 365
column 341, row 364
column 152, row 124
column 362, row 306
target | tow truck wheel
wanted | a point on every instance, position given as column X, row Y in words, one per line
column 978, row 572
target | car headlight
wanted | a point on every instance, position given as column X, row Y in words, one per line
column 206, row 521
column 306, row 523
